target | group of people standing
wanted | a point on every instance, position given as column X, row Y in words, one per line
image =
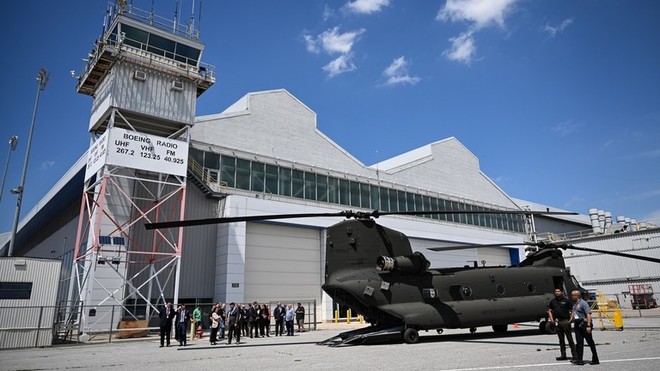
column 232, row 322
column 180, row 318
column 562, row 313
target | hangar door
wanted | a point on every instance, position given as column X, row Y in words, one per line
column 282, row 263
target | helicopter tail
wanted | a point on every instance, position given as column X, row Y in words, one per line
column 359, row 243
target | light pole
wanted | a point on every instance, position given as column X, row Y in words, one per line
column 42, row 78
column 13, row 142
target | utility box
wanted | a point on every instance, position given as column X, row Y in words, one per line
column 642, row 296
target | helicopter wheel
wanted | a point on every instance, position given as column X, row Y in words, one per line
column 410, row 335
column 473, row 330
column 500, row 328
column 543, row 327
column 440, row 331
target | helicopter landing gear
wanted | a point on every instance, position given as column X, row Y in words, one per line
column 440, row 331
column 410, row 335
column 500, row 328
column 543, row 327
column 473, row 330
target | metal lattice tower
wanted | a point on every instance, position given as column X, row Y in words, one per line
column 145, row 75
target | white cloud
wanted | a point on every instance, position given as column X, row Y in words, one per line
column 311, row 43
column 333, row 42
column 47, row 165
column 366, row 6
column 566, row 128
column 553, row 31
column 339, row 65
column 463, row 48
column 481, row 13
column 327, row 12
column 397, row 73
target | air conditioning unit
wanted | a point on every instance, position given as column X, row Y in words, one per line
column 177, row 85
column 139, row 75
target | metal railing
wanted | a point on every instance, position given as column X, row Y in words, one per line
column 207, row 176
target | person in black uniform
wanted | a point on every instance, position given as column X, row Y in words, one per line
column 166, row 316
column 559, row 313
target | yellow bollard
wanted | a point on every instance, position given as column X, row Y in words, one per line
column 360, row 319
column 618, row 319
column 336, row 319
column 348, row 316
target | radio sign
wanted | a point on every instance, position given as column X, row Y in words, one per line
column 96, row 156
column 141, row 151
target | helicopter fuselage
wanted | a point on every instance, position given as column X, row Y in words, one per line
column 373, row 270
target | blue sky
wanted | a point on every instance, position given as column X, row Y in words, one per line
column 560, row 100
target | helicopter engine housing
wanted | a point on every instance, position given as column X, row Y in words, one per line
column 408, row 264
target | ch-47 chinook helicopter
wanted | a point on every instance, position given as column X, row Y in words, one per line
column 373, row 271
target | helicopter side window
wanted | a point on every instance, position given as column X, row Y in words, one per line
column 500, row 289
column 531, row 288
column 460, row 292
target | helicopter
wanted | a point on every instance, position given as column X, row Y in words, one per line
column 374, row 271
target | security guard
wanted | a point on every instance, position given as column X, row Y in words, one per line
column 583, row 328
column 559, row 313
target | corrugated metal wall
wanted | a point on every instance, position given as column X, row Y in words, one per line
column 23, row 323
column 199, row 244
column 153, row 96
column 611, row 274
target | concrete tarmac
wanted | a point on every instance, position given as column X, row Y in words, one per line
column 634, row 348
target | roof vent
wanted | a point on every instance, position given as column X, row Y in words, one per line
column 139, row 75
column 177, row 85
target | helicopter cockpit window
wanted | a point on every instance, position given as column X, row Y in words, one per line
column 500, row 289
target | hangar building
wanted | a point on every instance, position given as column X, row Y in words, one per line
column 265, row 155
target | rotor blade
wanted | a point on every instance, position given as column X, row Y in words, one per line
column 194, row 222
column 345, row 213
column 615, row 253
column 377, row 213
column 464, row 247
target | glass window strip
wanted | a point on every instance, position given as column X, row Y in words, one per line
column 252, row 175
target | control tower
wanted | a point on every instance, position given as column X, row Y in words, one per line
column 144, row 75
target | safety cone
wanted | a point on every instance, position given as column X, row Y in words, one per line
column 515, row 325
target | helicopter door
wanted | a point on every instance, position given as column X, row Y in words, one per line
column 558, row 282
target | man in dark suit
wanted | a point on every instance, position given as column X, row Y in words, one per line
column 182, row 319
column 166, row 315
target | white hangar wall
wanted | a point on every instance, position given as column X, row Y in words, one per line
column 277, row 125
column 445, row 166
column 284, row 259
column 612, row 275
